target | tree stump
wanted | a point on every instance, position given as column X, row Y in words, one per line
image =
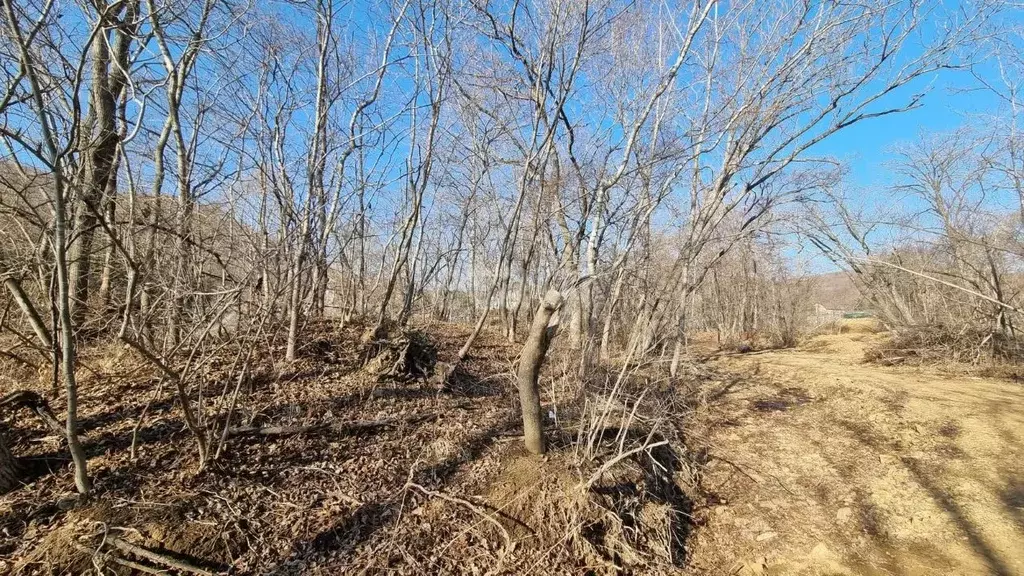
column 407, row 357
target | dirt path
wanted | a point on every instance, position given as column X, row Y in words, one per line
column 821, row 464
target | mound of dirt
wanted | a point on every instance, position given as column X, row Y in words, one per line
column 122, row 539
column 634, row 518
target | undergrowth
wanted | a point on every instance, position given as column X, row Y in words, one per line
column 965, row 348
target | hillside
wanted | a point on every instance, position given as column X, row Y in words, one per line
column 835, row 291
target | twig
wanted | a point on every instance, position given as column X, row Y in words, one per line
column 341, row 493
column 607, row 465
column 152, row 358
column 740, row 469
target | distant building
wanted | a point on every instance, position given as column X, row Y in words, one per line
column 822, row 314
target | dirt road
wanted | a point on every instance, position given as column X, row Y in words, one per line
column 820, row 464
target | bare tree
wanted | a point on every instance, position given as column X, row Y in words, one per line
column 99, row 137
column 53, row 155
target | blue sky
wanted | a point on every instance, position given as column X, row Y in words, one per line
column 953, row 100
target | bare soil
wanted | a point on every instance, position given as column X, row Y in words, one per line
column 820, row 463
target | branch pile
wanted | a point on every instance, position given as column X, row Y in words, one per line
column 410, row 356
column 938, row 344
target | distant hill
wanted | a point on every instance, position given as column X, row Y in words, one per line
column 835, row 291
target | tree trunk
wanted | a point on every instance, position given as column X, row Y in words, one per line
column 60, row 237
column 524, row 272
column 98, row 144
column 680, row 339
column 472, row 271
column 534, row 351
column 576, row 322
column 294, row 305
column 108, row 256
column 68, row 359
column 609, row 315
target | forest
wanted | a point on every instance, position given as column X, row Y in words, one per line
column 511, row 287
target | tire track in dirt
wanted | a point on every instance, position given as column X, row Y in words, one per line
column 820, row 464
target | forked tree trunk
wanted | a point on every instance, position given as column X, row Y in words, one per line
column 8, row 468
column 98, row 143
column 532, row 358
column 192, row 422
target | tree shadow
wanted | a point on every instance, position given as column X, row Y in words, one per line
column 436, row 475
column 465, row 384
column 22, row 514
column 949, row 504
column 785, row 399
column 356, row 528
column 32, row 468
column 719, row 395
column 880, row 444
column 121, row 413
column 659, row 470
column 1012, row 496
column 118, row 441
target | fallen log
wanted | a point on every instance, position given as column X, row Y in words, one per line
column 35, row 403
column 338, row 427
column 158, row 558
